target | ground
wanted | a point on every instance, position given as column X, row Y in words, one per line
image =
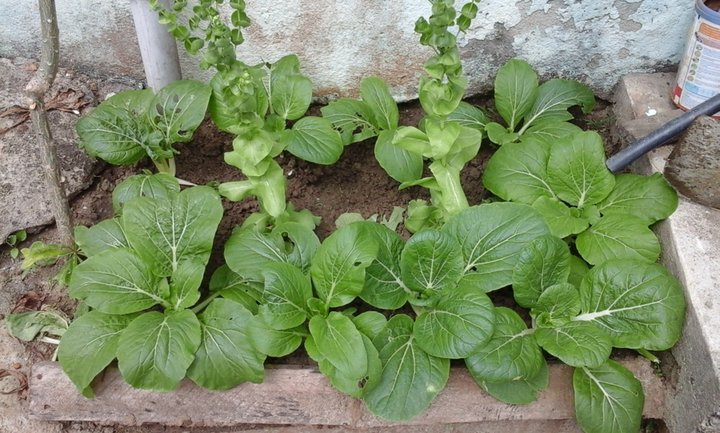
column 355, row 184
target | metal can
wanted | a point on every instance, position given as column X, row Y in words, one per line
column 698, row 77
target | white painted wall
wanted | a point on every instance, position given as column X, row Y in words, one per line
column 339, row 42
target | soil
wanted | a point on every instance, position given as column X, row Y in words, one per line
column 356, row 183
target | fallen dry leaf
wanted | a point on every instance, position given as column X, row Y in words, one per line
column 21, row 115
column 31, row 301
column 20, row 377
column 69, row 100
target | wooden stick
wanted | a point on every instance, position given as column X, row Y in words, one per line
column 35, row 92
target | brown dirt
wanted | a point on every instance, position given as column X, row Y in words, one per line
column 356, row 183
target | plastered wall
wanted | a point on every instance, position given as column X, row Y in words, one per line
column 339, row 42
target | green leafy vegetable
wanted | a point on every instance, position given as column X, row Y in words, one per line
column 515, row 91
column 518, row 172
column 541, row 109
column 649, row 198
column 458, row 325
column 127, row 127
column 410, row 378
column 118, row 281
column 520, row 391
column 105, row 235
column 430, row 262
column 28, row 325
column 608, row 399
column 156, row 349
column 234, row 287
column 511, row 354
column 339, row 342
column 576, row 343
column 375, row 94
column 249, row 250
column 287, row 290
column 544, row 262
column 569, row 185
column 314, row 139
column 273, row 342
column 226, row 356
column 159, row 185
column 576, row 170
column 562, row 220
column 618, row 237
column 338, row 268
column 639, row 304
column 176, row 237
column 491, row 236
column 42, row 254
column 89, row 345
column 383, row 287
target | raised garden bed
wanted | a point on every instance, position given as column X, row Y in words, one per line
column 577, row 262
column 314, row 402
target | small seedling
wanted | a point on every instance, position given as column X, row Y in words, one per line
column 14, row 240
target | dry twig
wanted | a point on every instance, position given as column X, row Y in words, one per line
column 35, row 92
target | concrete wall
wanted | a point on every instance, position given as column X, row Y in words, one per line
column 339, row 42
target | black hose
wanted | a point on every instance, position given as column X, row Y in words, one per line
column 662, row 135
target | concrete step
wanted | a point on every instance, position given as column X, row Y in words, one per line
column 303, row 398
column 691, row 250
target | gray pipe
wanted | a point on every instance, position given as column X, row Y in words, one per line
column 157, row 46
column 662, row 135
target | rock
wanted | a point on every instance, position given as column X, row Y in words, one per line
column 627, row 131
column 643, row 95
column 23, row 198
column 694, row 164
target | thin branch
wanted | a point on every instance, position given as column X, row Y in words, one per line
column 46, row 147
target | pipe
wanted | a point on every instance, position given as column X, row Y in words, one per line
column 157, row 46
column 662, row 135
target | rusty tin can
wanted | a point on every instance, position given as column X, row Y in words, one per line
column 698, row 77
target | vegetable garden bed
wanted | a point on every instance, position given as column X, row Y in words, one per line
column 555, row 257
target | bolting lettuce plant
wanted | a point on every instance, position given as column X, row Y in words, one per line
column 256, row 103
column 263, row 105
column 449, row 135
column 442, row 138
column 200, row 26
